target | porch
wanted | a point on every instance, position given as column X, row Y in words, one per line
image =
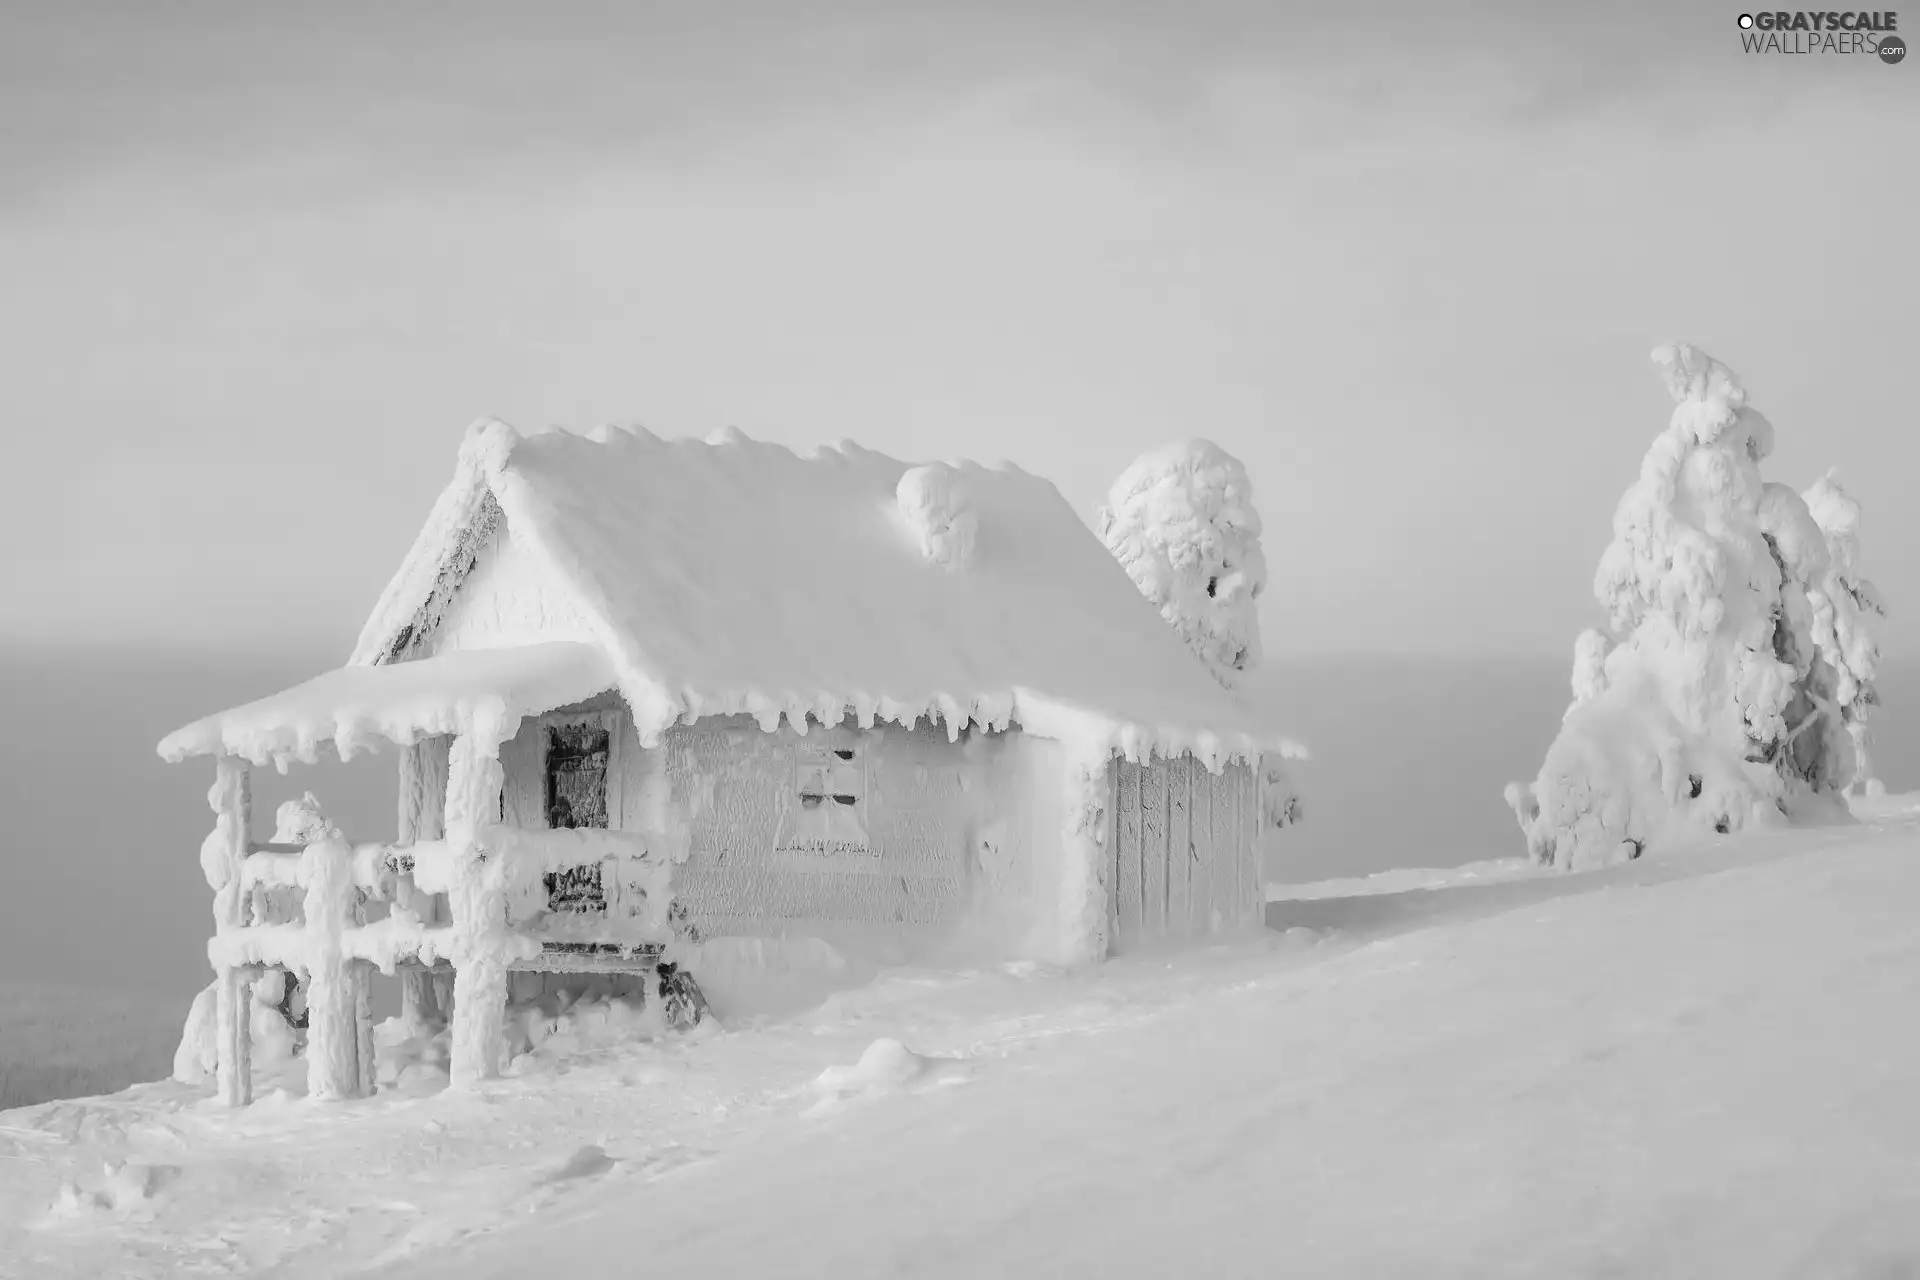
column 457, row 902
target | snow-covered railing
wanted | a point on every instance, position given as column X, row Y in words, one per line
column 561, row 901
column 622, row 886
column 584, row 884
column 302, row 907
column 584, row 900
column 268, row 868
column 376, row 868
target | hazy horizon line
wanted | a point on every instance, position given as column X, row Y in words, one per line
column 267, row 647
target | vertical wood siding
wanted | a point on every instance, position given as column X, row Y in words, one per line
column 1183, row 852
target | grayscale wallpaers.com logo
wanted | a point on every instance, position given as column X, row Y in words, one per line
column 1824, row 33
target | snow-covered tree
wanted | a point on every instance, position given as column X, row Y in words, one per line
column 1710, row 704
column 1181, row 522
column 1847, row 612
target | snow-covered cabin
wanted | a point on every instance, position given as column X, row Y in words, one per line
column 652, row 695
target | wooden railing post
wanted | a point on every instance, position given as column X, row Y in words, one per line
column 333, row 1003
column 221, row 859
column 421, row 818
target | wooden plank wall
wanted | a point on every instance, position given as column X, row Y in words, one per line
column 1183, row 851
column 923, row 796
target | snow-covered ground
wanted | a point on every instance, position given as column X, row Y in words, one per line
column 1702, row 1063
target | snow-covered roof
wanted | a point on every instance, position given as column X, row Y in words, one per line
column 357, row 706
column 731, row 575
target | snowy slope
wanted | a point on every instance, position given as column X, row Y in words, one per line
column 1697, row 1064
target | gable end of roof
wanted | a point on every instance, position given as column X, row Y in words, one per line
column 443, row 553
column 412, row 638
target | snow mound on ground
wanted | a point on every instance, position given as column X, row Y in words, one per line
column 411, row 1058
column 745, row 978
column 1714, row 711
column 124, row 1187
column 588, row 1161
column 887, row 1066
column 275, row 1043
column 197, row 1057
column 1181, row 522
column 562, row 1025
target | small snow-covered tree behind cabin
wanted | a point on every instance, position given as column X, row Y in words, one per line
column 1181, row 522
column 1847, row 614
column 1716, row 700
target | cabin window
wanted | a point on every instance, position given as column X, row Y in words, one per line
column 831, row 790
column 577, row 775
column 576, row 796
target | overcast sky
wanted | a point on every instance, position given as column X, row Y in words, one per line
column 261, row 263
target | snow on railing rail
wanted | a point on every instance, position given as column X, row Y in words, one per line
column 266, row 867
column 630, row 923
column 376, row 868
column 641, row 870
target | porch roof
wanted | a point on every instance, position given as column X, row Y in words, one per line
column 483, row 690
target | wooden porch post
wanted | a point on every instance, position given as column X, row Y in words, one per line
column 478, row 906
column 221, row 858
column 423, row 787
column 333, row 1030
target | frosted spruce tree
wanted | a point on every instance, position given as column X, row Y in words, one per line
column 1847, row 613
column 1710, row 704
column 1181, row 522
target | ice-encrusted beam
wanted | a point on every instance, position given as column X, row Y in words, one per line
column 223, row 858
